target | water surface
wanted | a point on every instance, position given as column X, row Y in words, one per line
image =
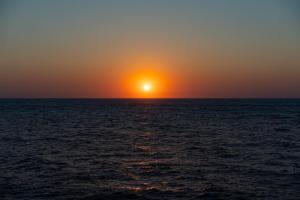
column 150, row 149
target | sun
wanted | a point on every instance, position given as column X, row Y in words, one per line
column 142, row 83
column 147, row 87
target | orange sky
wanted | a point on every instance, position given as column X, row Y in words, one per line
column 190, row 49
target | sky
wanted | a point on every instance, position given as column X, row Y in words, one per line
column 184, row 49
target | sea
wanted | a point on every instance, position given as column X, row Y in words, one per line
column 149, row 149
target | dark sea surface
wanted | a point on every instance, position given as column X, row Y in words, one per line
column 150, row 149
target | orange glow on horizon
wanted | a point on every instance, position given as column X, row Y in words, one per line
column 146, row 85
column 129, row 74
column 145, row 79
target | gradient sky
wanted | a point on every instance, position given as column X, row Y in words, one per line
column 193, row 48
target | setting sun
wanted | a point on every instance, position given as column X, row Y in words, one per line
column 147, row 87
column 145, row 82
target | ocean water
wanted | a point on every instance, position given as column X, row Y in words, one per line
column 150, row 149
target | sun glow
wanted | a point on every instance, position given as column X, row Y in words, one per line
column 146, row 78
column 147, row 87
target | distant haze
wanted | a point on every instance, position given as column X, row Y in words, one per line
column 195, row 49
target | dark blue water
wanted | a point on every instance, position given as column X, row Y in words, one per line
column 149, row 149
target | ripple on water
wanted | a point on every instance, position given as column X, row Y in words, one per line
column 154, row 149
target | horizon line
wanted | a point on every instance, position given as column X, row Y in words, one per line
column 137, row 98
